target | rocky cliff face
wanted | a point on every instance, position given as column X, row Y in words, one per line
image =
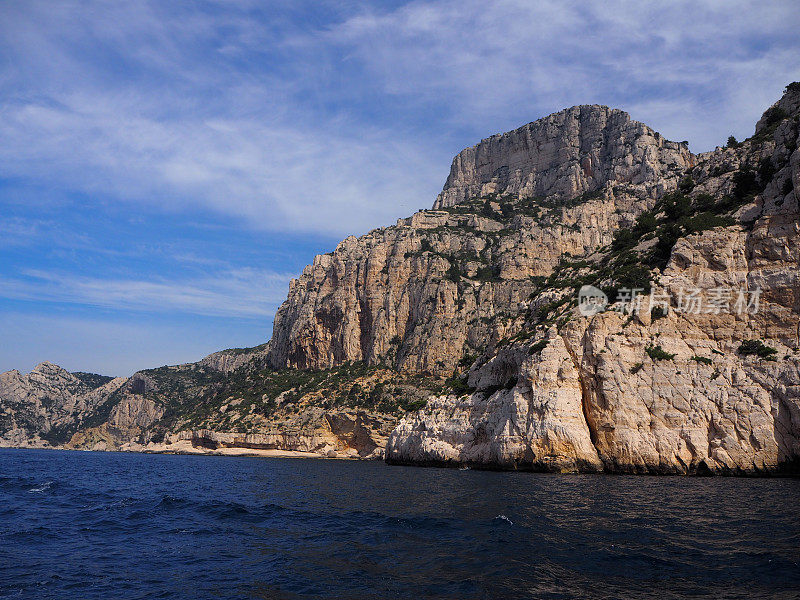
column 344, row 433
column 48, row 403
column 435, row 288
column 478, row 284
column 661, row 391
column 226, row 402
column 456, row 337
column 577, row 150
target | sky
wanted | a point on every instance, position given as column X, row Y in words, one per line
column 167, row 167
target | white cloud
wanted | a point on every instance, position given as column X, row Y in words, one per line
column 695, row 70
column 239, row 293
column 192, row 132
column 17, row 231
column 350, row 125
column 273, row 176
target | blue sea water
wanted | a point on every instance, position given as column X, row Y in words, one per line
column 103, row 525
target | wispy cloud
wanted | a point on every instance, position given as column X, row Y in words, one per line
column 250, row 112
column 693, row 69
column 272, row 176
column 241, row 293
column 168, row 112
column 18, row 231
column 155, row 154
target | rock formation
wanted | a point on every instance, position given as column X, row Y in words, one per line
column 455, row 337
column 659, row 393
column 343, row 433
column 226, row 401
column 423, row 292
column 577, row 150
column 49, row 403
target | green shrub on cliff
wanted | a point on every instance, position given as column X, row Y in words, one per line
column 453, row 272
column 658, row 353
column 757, row 348
column 538, row 347
column 458, row 385
column 657, row 312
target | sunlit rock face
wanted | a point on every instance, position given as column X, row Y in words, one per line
column 577, row 150
column 472, row 305
column 43, row 406
column 393, row 292
column 697, row 404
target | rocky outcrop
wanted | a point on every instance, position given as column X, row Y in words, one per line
column 333, row 434
column 52, row 407
column 227, row 361
column 535, row 421
column 134, row 414
column 659, row 393
column 593, row 400
column 49, row 403
column 225, row 403
column 421, row 295
column 732, row 414
column 577, row 150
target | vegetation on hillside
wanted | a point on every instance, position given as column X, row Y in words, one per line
column 757, row 348
column 92, row 380
column 193, row 395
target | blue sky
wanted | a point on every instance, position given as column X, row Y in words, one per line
column 167, row 167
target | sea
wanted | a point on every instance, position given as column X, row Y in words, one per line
column 99, row 525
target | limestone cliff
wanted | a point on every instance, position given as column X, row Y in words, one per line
column 434, row 289
column 481, row 282
column 666, row 390
column 228, row 400
column 49, row 403
column 455, row 337
column 577, row 150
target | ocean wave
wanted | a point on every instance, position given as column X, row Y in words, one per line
column 41, row 488
column 504, row 518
